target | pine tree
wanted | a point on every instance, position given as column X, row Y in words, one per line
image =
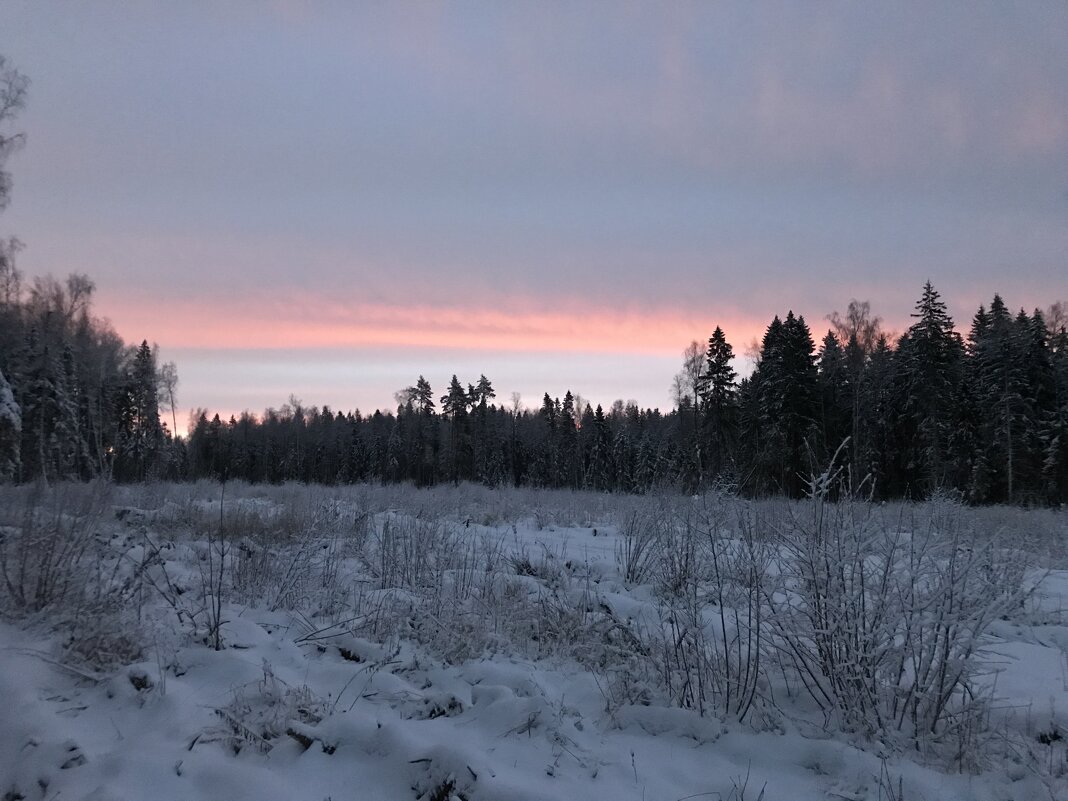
column 424, row 396
column 423, row 441
column 719, row 402
column 454, row 409
column 484, row 445
column 484, row 392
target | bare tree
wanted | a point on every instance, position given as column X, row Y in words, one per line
column 10, row 276
column 167, row 377
column 12, row 98
column 687, row 386
column 687, row 382
column 858, row 322
column 858, row 332
column 1057, row 317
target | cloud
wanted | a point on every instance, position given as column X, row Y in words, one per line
column 531, row 179
column 259, row 320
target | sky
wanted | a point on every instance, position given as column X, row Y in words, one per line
column 330, row 199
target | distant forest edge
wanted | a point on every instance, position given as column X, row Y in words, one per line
column 985, row 417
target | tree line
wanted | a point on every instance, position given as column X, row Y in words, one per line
column 984, row 416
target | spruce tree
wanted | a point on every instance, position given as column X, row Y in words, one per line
column 600, row 468
column 995, row 379
column 569, row 461
column 930, row 358
column 835, row 395
column 141, row 434
column 783, row 398
column 719, row 402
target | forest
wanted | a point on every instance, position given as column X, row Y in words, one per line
column 983, row 417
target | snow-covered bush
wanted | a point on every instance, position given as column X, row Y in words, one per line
column 712, row 628
column 881, row 618
column 285, row 561
column 638, row 551
column 61, row 564
column 47, row 534
column 259, row 714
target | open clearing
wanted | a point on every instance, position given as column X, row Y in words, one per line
column 201, row 642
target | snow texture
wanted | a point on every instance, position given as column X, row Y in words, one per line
column 312, row 698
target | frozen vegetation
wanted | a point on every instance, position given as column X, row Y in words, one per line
column 199, row 641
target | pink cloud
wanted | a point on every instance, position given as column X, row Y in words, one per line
column 316, row 321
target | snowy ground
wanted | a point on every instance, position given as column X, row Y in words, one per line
column 454, row 643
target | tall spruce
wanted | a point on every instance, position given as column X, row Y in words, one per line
column 719, row 403
column 930, row 356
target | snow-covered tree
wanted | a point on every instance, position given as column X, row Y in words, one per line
column 141, row 434
column 10, row 432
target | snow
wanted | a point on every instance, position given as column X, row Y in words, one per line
column 303, row 704
column 9, row 410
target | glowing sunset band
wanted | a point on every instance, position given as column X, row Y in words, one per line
column 277, row 324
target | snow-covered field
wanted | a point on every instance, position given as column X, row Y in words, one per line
column 194, row 642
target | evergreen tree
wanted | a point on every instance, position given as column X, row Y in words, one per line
column 10, row 433
column 996, row 378
column 51, row 442
column 719, row 402
column 141, row 434
column 1055, row 428
column 600, row 472
column 569, row 460
column 424, row 396
column 835, row 396
column 876, row 397
column 454, row 410
column 930, row 356
column 782, row 400
column 486, row 454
